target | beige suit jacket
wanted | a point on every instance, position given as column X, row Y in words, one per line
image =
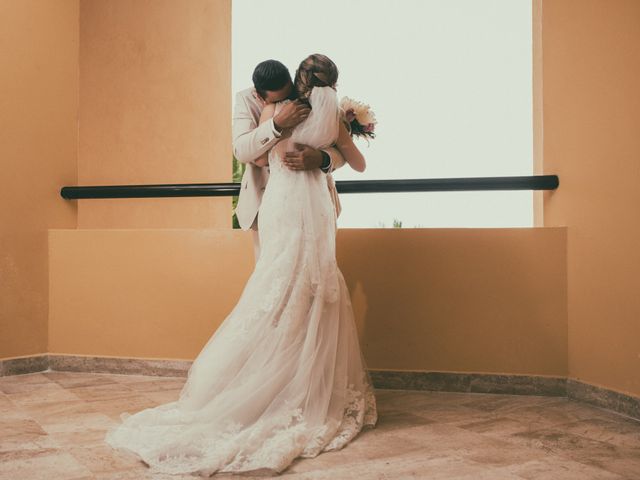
column 250, row 141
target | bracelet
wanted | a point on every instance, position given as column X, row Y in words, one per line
column 326, row 162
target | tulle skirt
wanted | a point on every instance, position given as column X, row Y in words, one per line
column 283, row 376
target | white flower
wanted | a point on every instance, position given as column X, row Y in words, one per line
column 363, row 113
column 366, row 118
column 348, row 104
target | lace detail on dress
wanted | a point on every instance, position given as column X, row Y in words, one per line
column 361, row 411
column 271, row 443
column 156, row 436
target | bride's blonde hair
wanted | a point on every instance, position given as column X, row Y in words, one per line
column 316, row 70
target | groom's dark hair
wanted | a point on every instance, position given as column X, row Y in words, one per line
column 270, row 75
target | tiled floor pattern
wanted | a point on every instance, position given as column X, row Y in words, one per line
column 52, row 427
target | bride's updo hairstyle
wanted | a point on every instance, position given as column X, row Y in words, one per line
column 315, row 71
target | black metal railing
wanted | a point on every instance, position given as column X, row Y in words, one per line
column 532, row 182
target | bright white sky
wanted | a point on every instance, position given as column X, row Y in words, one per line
column 450, row 82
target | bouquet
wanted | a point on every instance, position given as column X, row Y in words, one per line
column 359, row 117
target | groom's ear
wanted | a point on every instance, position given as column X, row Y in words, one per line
column 257, row 95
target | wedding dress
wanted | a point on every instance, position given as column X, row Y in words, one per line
column 283, row 376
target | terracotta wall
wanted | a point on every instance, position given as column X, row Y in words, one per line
column 591, row 51
column 155, row 107
column 485, row 300
column 38, row 154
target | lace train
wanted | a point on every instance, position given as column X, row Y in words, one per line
column 269, row 444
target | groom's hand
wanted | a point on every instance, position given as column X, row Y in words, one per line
column 291, row 114
column 303, row 157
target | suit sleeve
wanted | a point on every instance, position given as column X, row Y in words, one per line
column 250, row 140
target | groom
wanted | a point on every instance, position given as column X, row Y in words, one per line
column 271, row 84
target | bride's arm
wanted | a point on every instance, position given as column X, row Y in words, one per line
column 267, row 112
column 350, row 152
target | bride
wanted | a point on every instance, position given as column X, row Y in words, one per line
column 283, row 376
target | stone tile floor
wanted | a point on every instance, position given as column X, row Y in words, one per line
column 52, row 426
